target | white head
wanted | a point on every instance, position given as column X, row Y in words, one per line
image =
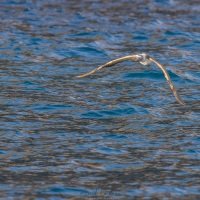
column 145, row 59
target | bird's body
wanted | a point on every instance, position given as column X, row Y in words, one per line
column 144, row 59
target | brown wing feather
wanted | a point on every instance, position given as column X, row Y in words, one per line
column 111, row 63
column 169, row 81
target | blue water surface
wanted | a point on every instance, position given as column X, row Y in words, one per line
column 117, row 134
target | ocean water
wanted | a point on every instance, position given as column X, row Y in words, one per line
column 117, row 134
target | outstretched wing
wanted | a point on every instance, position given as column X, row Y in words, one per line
column 169, row 80
column 112, row 63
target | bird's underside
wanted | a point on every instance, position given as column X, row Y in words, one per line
column 144, row 59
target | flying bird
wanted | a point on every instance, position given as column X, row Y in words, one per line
column 144, row 59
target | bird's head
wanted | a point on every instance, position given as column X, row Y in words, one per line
column 144, row 59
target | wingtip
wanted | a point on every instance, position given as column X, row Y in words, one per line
column 178, row 98
column 81, row 76
column 182, row 103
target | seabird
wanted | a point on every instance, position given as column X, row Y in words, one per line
column 144, row 59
